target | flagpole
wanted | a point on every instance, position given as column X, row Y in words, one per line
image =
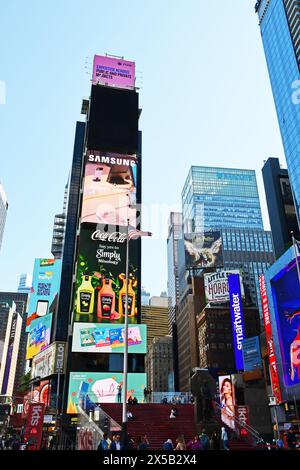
column 296, row 256
column 125, row 367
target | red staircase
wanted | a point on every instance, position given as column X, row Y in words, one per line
column 153, row 420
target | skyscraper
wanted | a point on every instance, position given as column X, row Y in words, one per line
column 220, row 197
column 3, row 211
column 25, row 283
column 279, row 22
column 281, row 206
column 59, row 228
column 174, row 234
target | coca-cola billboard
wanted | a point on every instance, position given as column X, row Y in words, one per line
column 34, row 426
column 100, row 291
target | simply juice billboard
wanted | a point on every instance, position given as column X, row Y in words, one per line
column 109, row 188
column 100, row 291
column 45, row 286
column 103, row 338
column 89, row 388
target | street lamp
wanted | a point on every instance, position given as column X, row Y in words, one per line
column 125, row 366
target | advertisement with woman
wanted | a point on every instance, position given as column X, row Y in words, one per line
column 227, row 400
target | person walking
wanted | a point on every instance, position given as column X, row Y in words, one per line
column 215, row 441
column 180, row 443
column 103, row 444
column 204, row 439
column 224, row 438
column 168, row 445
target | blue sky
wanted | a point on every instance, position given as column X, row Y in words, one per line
column 205, row 95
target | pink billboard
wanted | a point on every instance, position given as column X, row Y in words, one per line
column 113, row 72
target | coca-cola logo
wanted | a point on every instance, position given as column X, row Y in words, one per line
column 115, row 237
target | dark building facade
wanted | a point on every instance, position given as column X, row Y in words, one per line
column 281, row 208
column 21, row 302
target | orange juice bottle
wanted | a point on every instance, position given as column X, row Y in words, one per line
column 106, row 300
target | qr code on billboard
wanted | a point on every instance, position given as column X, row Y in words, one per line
column 44, row 288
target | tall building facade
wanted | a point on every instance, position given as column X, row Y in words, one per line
column 59, row 228
column 25, row 283
column 174, row 234
column 279, row 22
column 159, row 363
column 20, row 301
column 281, row 207
column 156, row 320
column 3, row 211
column 220, row 197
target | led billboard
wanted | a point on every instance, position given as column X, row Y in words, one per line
column 251, row 353
column 39, row 335
column 109, row 189
column 113, row 120
column 227, row 400
column 100, row 291
column 203, row 250
column 51, row 360
column 45, row 286
column 89, row 388
column 111, row 71
column 103, row 338
column 286, row 298
column 216, row 286
column 237, row 318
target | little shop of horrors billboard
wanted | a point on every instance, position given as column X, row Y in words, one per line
column 100, row 291
column 216, row 286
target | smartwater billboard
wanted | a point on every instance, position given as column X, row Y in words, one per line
column 100, row 292
column 89, row 388
column 109, row 188
column 112, row 71
column 103, row 338
column 203, row 249
column 286, row 298
column 45, row 286
column 236, row 310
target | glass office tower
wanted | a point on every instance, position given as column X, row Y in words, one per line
column 279, row 22
column 220, row 197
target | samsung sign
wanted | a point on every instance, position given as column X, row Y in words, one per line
column 238, row 330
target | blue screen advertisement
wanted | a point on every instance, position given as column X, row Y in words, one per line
column 251, row 354
column 238, row 330
column 286, row 298
column 45, row 286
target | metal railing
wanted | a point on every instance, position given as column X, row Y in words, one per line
column 252, row 436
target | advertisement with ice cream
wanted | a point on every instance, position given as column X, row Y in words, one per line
column 90, row 388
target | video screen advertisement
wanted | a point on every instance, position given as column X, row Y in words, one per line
column 112, row 71
column 103, row 338
column 237, row 318
column 90, row 388
column 251, row 354
column 203, row 250
column 100, row 291
column 227, row 400
column 45, row 286
column 110, row 187
column 39, row 336
column 286, row 298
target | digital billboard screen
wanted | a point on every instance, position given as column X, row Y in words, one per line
column 39, row 336
column 45, row 286
column 113, row 120
column 89, row 388
column 100, row 292
column 227, row 400
column 103, row 338
column 203, row 250
column 109, row 189
column 237, row 318
column 251, row 354
column 111, row 71
column 286, row 297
